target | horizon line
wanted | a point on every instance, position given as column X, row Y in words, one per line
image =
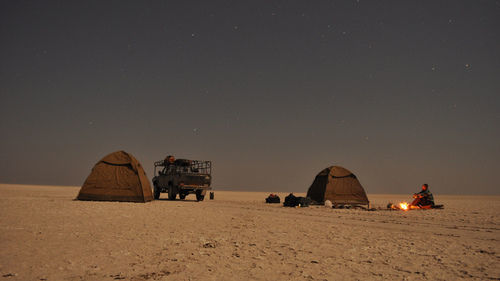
column 246, row 190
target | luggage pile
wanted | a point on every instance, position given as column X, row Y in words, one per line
column 296, row 201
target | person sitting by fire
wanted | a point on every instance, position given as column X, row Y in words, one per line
column 423, row 198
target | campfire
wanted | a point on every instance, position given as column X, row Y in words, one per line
column 404, row 206
column 401, row 206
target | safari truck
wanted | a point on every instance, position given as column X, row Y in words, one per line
column 183, row 177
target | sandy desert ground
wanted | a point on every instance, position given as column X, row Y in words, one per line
column 46, row 235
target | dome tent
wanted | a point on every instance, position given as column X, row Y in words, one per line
column 117, row 177
column 338, row 185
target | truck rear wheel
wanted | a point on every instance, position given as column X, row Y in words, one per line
column 182, row 196
column 199, row 196
column 172, row 192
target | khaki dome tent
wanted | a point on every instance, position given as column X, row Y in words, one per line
column 338, row 185
column 117, row 177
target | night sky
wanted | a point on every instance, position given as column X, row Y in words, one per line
column 399, row 92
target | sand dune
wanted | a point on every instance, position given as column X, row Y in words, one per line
column 46, row 235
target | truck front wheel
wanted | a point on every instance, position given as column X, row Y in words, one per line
column 156, row 192
column 172, row 192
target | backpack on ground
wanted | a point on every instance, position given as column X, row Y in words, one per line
column 273, row 198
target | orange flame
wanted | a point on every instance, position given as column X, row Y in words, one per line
column 404, row 206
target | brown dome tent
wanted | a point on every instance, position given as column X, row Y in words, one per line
column 338, row 185
column 117, row 177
